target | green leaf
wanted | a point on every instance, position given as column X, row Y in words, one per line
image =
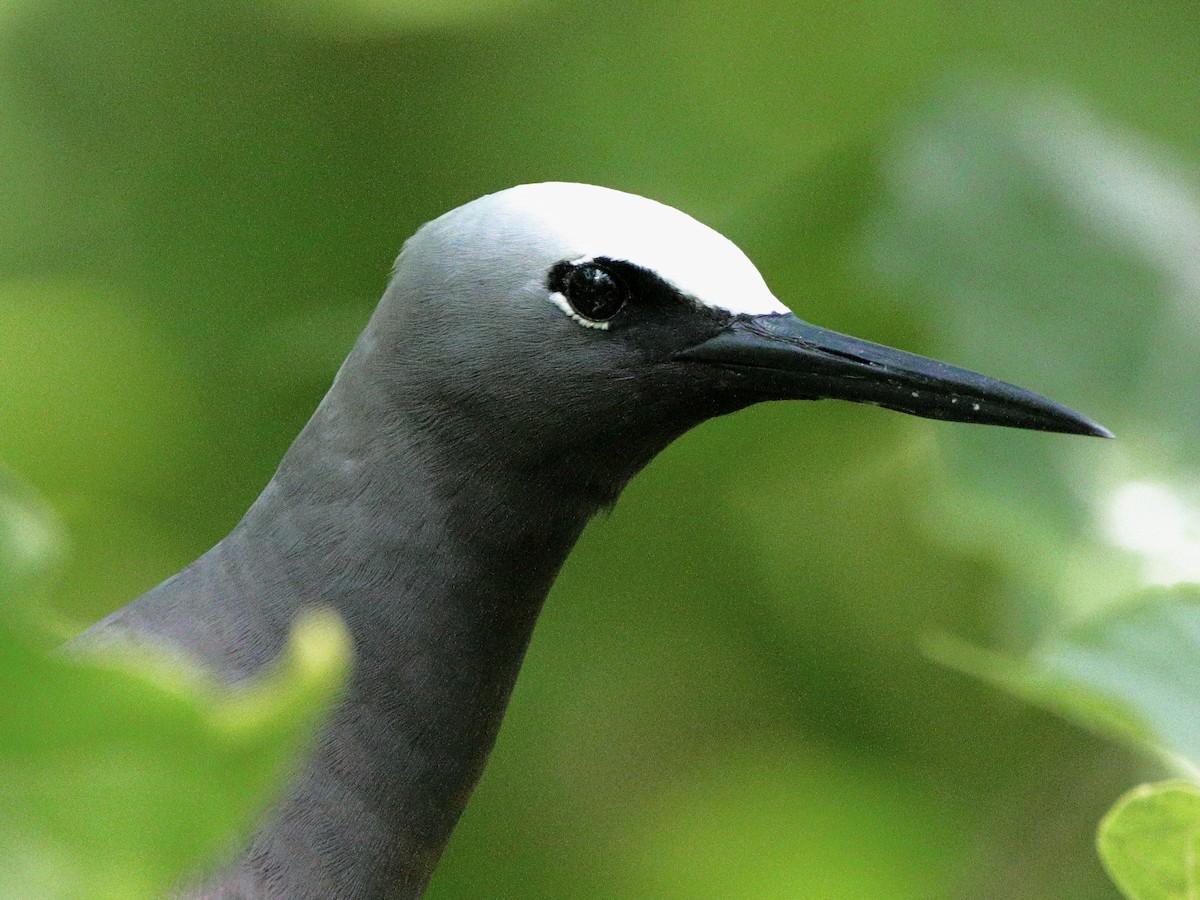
column 1131, row 674
column 1149, row 842
column 122, row 772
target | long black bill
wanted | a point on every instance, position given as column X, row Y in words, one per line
column 793, row 359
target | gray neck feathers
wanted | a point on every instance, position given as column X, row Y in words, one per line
column 437, row 542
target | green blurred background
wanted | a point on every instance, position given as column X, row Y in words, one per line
column 200, row 201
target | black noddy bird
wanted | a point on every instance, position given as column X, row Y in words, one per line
column 533, row 350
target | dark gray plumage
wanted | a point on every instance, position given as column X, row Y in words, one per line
column 481, row 420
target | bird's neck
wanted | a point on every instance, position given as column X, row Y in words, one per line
column 438, row 557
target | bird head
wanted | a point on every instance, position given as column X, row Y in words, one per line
column 579, row 321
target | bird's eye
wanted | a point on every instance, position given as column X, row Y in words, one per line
column 594, row 292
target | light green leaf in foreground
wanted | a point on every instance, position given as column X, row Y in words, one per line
column 1133, row 673
column 123, row 772
column 1149, row 842
column 119, row 775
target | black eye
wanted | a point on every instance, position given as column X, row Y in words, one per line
column 593, row 291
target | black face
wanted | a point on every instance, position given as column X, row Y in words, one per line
column 635, row 307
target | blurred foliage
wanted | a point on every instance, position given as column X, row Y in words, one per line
column 201, row 202
column 120, row 773
column 1060, row 245
column 30, row 539
column 1132, row 674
